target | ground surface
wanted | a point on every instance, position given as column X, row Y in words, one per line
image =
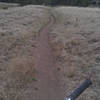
column 45, row 57
column 48, row 85
column 19, row 30
column 76, row 40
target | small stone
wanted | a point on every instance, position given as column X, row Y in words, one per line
column 36, row 88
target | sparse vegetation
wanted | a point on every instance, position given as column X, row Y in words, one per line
column 74, row 39
column 19, row 30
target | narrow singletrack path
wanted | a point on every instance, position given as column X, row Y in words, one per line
column 48, row 80
column 49, row 83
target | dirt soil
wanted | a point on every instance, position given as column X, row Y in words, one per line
column 45, row 53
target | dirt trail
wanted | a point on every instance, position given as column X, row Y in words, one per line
column 48, row 85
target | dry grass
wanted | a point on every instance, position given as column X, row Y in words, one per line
column 76, row 40
column 22, row 68
column 19, row 30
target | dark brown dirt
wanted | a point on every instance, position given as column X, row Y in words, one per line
column 48, row 85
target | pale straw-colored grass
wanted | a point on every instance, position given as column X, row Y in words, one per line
column 76, row 40
column 19, row 30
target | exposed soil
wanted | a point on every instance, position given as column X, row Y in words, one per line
column 48, row 78
column 48, row 85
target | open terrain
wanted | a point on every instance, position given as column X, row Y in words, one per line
column 45, row 53
column 75, row 38
column 19, row 29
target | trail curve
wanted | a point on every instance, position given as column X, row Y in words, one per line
column 48, row 80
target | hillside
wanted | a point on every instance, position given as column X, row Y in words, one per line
column 19, row 30
column 46, row 52
column 76, row 41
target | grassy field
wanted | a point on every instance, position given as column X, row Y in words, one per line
column 74, row 38
column 19, row 29
column 76, row 41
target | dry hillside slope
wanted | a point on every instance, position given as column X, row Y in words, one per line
column 41, row 55
column 19, row 30
column 75, row 39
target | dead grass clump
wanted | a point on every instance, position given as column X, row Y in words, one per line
column 20, row 73
column 57, row 47
column 70, row 71
column 21, row 70
column 73, row 46
column 70, row 66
